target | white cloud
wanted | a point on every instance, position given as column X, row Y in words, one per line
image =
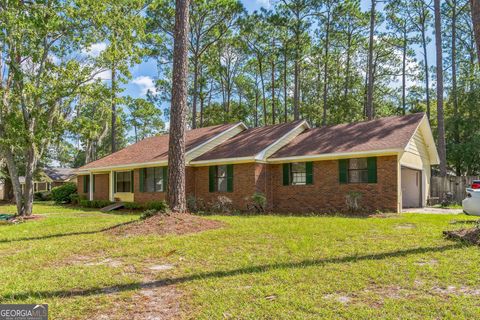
column 145, row 83
column 95, row 49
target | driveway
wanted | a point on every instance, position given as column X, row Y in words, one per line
column 429, row 210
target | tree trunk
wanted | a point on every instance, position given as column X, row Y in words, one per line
column 347, row 68
column 176, row 151
column 475, row 10
column 28, row 192
column 195, row 89
column 285, row 97
column 17, row 188
column 456, row 136
column 425, row 59
column 256, row 108
column 404, row 71
column 296, row 76
column 114, row 108
column 296, row 114
column 369, row 104
column 325, row 72
column 202, row 102
column 440, row 117
column 264, row 103
column 273, row 91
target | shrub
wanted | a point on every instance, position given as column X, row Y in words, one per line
column 74, row 198
column 38, row 196
column 157, row 205
column 259, row 201
column 352, row 198
column 148, row 213
column 192, row 203
column 195, row 204
column 223, row 204
column 94, row 203
column 133, row 206
column 62, row 193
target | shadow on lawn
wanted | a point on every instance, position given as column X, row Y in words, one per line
column 59, row 235
column 227, row 273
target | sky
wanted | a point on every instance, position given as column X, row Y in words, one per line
column 143, row 75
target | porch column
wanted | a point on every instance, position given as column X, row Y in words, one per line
column 110, row 187
column 90, row 187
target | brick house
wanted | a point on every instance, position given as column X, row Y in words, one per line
column 384, row 163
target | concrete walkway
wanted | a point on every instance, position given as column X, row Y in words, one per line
column 428, row 210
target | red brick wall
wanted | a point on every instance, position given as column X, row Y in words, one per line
column 244, row 185
column 326, row 194
column 101, row 187
column 80, row 187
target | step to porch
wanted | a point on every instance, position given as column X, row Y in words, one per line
column 114, row 206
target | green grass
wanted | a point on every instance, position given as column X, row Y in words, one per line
column 258, row 267
column 450, row 206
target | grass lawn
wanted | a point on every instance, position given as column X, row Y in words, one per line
column 258, row 267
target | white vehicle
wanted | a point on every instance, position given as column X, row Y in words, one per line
column 471, row 204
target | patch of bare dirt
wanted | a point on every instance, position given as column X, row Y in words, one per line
column 470, row 235
column 154, row 299
column 168, row 224
column 453, row 290
column 405, row 226
column 423, row 262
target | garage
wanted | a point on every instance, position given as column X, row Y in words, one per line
column 411, row 188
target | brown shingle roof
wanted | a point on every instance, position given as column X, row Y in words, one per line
column 155, row 149
column 380, row 134
column 249, row 143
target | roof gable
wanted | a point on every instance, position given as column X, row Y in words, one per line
column 59, row 174
column 154, row 150
column 253, row 144
column 384, row 134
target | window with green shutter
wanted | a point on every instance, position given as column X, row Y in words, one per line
column 358, row 170
column 220, row 178
column 297, row 173
column 86, row 184
column 372, row 169
column 211, row 178
column 343, row 170
column 153, row 179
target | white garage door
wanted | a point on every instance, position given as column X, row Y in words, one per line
column 411, row 188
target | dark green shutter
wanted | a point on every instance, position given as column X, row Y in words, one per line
column 141, row 173
column 211, row 178
column 85, row 184
column 309, row 172
column 93, row 176
column 132, row 185
column 372, row 169
column 229, row 177
column 342, row 170
column 114, row 182
column 165, row 178
column 286, row 174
